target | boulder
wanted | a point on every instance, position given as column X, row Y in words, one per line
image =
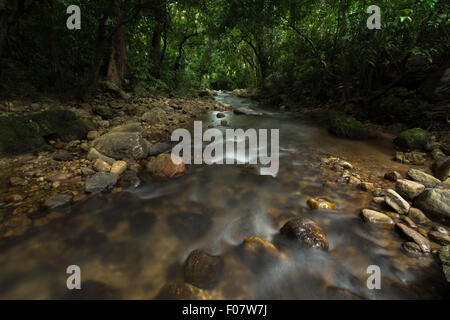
column 412, row 139
column 424, row 178
column 120, row 145
column 412, row 249
column 372, row 216
column 128, row 127
column 165, row 167
column 203, row 270
column 101, row 181
column 396, row 202
column 435, row 201
column 423, row 242
column 305, row 232
column 409, row 189
column 129, row 179
column 348, row 128
column 114, row 89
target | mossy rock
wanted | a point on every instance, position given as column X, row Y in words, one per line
column 30, row 133
column 104, row 111
column 412, row 139
column 348, row 128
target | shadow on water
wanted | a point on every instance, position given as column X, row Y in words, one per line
column 130, row 245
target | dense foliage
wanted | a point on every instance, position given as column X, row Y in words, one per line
column 315, row 49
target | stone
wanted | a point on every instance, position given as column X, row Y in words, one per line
column 441, row 168
column 424, row 243
column 58, row 177
column 412, row 139
column 94, row 155
column 56, row 201
column 224, row 123
column 92, row 135
column 373, row 216
column 114, row 89
column 101, row 181
column 367, row 186
column 396, row 202
column 203, row 270
column 438, row 237
column 220, row 115
column 409, row 189
column 129, row 127
column 121, row 145
column 87, row 171
column 418, row 216
column 159, row 147
column 63, row 156
column 101, row 166
column 392, row 176
column 156, row 115
column 424, row 178
column 129, row 179
column 258, row 250
column 412, row 249
column 416, row 158
column 104, row 111
column 320, row 204
column 305, row 232
column 119, row 167
column 444, row 256
column 348, row 128
column 165, row 167
column 435, row 201
column 181, row 291
column 409, row 222
column 15, row 198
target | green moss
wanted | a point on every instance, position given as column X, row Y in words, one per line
column 412, row 139
column 26, row 134
column 348, row 128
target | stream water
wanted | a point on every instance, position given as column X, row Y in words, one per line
column 129, row 245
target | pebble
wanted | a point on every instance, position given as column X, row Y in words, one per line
column 119, row 167
column 101, row 166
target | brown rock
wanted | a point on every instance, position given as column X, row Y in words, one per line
column 438, row 237
column 92, row 135
column 165, row 167
column 320, row 204
column 101, row 166
column 15, row 198
column 396, row 202
column 409, row 189
column 16, row 181
column 259, row 250
column 373, row 216
column 367, row 186
column 119, row 167
column 392, row 176
column 203, row 270
column 412, row 249
column 418, row 216
column 306, row 232
column 423, row 242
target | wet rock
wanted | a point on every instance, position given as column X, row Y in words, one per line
column 409, row 222
column 348, row 128
column 129, row 179
column 424, row 244
column 156, row 115
column 438, row 237
column 372, row 216
column 367, row 186
column 412, row 139
column 412, row 249
column 259, row 251
column 440, row 229
column 378, row 200
column 101, row 181
column 159, row 147
column 424, row 178
column 94, row 155
column 56, row 201
column 92, row 135
column 444, row 256
column 180, row 291
column 305, row 232
column 396, row 202
column 416, row 158
column 119, row 167
column 101, row 166
column 63, row 156
column 320, row 204
column 345, row 165
column 203, row 270
column 121, row 145
column 435, row 201
column 392, row 176
column 409, row 189
column 246, row 111
column 220, row 115
column 165, row 167
column 16, row 181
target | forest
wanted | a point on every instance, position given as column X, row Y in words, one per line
column 93, row 91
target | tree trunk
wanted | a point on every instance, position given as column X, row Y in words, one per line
column 117, row 60
column 99, row 52
column 155, row 52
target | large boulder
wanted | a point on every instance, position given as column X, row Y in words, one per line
column 120, row 145
column 305, row 232
column 412, row 139
column 30, row 133
column 435, row 201
column 348, row 128
column 203, row 270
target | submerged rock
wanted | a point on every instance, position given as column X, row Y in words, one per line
column 258, row 251
column 424, row 178
column 306, row 232
column 246, row 111
column 412, row 249
column 435, row 201
column 129, row 179
column 101, row 181
column 423, row 242
column 56, row 201
column 409, row 189
column 320, row 204
column 203, row 270
column 396, row 202
column 165, row 167
column 373, row 216
column 348, row 128
column 412, row 139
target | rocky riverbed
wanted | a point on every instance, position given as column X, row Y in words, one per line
column 404, row 194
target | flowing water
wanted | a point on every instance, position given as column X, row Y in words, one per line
column 129, row 245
